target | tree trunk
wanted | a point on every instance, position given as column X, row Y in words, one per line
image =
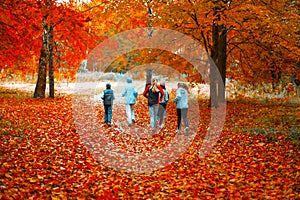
column 219, row 56
column 213, row 86
column 40, row 87
column 148, row 76
column 222, row 58
column 213, row 67
column 51, row 67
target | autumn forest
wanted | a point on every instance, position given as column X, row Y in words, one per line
column 240, row 59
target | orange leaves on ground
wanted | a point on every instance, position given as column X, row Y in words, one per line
column 42, row 156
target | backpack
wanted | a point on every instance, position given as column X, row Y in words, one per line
column 166, row 96
column 108, row 97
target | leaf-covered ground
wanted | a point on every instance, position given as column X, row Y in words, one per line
column 42, row 156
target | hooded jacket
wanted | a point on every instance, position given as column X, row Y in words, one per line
column 181, row 98
column 130, row 93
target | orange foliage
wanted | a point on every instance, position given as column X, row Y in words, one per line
column 261, row 39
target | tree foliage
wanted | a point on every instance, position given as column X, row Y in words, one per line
column 262, row 37
column 26, row 25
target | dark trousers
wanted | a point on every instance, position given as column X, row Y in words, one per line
column 182, row 114
column 107, row 113
column 161, row 112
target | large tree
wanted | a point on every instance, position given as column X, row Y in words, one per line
column 63, row 29
column 45, row 54
column 57, row 34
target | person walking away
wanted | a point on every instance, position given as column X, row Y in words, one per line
column 154, row 94
column 163, row 105
column 107, row 96
column 181, row 100
column 130, row 93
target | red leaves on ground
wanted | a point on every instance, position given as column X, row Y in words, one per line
column 42, row 157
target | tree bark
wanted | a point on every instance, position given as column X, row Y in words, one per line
column 214, row 66
column 219, row 56
column 222, row 62
column 148, row 76
column 213, row 85
column 40, row 88
column 50, row 59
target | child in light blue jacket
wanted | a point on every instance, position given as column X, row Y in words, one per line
column 130, row 93
column 182, row 106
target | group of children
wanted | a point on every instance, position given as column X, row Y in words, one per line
column 157, row 97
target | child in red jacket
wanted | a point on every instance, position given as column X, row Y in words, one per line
column 154, row 93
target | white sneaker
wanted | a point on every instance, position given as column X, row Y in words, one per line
column 186, row 130
column 160, row 126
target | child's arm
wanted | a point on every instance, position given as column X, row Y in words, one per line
column 102, row 95
column 161, row 92
column 178, row 96
column 135, row 93
column 145, row 94
column 124, row 92
column 166, row 96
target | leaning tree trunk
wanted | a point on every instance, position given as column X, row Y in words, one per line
column 40, row 87
column 50, row 59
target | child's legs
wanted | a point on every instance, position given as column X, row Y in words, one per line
column 109, row 114
column 161, row 113
column 151, row 112
column 184, row 112
column 128, row 113
column 105, row 114
column 132, row 111
column 178, row 118
column 153, row 115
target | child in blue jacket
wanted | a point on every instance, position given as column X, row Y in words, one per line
column 182, row 106
column 130, row 93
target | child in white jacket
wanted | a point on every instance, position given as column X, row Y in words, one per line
column 130, row 93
